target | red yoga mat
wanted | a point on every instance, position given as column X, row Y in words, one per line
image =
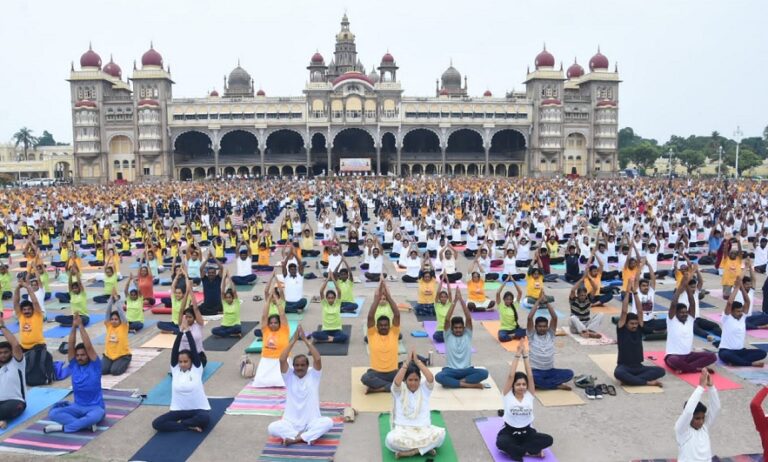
column 720, row 381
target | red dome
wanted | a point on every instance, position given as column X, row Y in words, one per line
column 90, row 59
column 214, row 93
column 85, row 103
column 544, row 59
column 149, row 102
column 443, row 92
column 260, row 93
column 151, row 58
column 487, row 93
column 605, row 103
column 387, row 58
column 599, row 61
column 551, row 101
column 113, row 69
column 317, row 57
column 574, row 71
column 352, row 75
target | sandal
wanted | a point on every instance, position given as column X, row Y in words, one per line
column 611, row 390
column 257, row 298
column 604, row 389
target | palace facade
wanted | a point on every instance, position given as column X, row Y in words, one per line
column 566, row 121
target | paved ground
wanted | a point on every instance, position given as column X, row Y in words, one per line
column 617, row 428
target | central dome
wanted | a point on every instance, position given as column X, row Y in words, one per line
column 451, row 78
column 239, row 77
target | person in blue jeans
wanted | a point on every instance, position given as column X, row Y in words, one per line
column 541, row 345
column 87, row 410
column 458, row 371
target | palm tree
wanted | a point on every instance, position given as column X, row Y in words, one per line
column 24, row 137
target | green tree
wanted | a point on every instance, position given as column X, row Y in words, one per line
column 24, row 137
column 691, row 159
column 756, row 144
column 628, row 138
column 46, row 139
column 747, row 159
column 643, row 155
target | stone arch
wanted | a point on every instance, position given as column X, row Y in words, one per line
column 285, row 145
column 431, row 169
column 421, row 144
column 301, row 170
column 507, row 144
column 472, row 170
column 353, row 142
column 417, row 170
column 211, row 173
column 429, row 129
column 287, row 170
column 318, row 152
column 229, row 171
column 121, row 158
column 193, row 146
column 256, row 171
column 238, row 142
column 388, row 153
column 205, row 133
column 448, row 169
column 521, row 132
column 501, row 170
column 185, row 174
column 513, row 170
column 273, row 170
column 406, row 170
column 243, row 171
column 575, row 154
column 464, row 144
column 459, row 169
column 199, row 173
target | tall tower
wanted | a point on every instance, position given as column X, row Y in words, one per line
column 345, row 55
column 544, row 87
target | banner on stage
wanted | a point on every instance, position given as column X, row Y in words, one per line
column 355, row 165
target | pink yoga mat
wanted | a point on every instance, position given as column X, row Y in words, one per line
column 489, row 427
column 718, row 295
column 720, row 381
column 159, row 295
column 429, row 328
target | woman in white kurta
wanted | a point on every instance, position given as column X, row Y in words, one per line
column 412, row 431
column 301, row 422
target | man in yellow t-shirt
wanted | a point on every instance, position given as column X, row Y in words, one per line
column 383, row 340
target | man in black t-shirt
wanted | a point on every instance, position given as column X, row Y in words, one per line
column 211, row 287
column 629, row 333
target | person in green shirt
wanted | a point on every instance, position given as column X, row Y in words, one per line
column 442, row 305
column 78, row 302
column 134, row 306
column 5, row 282
column 110, row 282
column 230, row 323
column 510, row 327
column 345, row 285
column 45, row 280
column 179, row 300
column 331, row 329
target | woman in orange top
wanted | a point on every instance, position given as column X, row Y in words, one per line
column 275, row 339
column 146, row 285
column 477, row 301
column 117, row 348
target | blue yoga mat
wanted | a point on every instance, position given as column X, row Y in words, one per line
column 668, row 294
column 59, row 331
column 356, row 313
column 762, row 346
column 101, row 338
column 179, row 446
column 13, row 328
column 38, row 398
column 161, row 394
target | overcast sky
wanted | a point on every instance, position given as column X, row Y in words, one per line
column 688, row 67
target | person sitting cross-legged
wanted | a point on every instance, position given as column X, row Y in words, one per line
column 383, row 344
column 301, row 421
column 732, row 351
column 509, row 329
column 331, row 329
column 541, row 341
column 13, row 386
column 694, row 424
column 458, row 371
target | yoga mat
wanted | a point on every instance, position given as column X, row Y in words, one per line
column 489, row 427
column 360, row 301
column 324, row 448
column 552, row 398
column 492, row 315
column 335, row 349
column 38, row 398
column 32, row 440
column 739, row 458
column 460, row 284
column 256, row 345
column 668, row 294
column 755, row 375
column 493, row 328
column 720, row 381
column 442, row 399
column 756, row 333
column 606, row 310
column 604, row 340
column 718, row 295
column 59, row 331
column 270, row 401
column 139, row 357
column 607, row 362
column 179, row 446
column 99, row 340
column 160, row 395
column 161, row 340
column 213, row 343
column 445, row 453
column 430, row 327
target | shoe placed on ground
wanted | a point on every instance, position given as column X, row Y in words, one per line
column 590, row 392
column 584, row 381
column 599, row 391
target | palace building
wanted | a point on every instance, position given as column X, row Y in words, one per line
column 348, row 118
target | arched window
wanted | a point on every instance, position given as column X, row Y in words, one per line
column 117, row 164
column 125, row 164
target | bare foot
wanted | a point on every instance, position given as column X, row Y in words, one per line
column 595, row 335
column 196, row 429
column 654, row 383
column 432, row 452
column 565, row 387
column 401, row 454
column 758, row 364
column 463, row 384
column 374, row 390
column 585, row 334
column 3, row 424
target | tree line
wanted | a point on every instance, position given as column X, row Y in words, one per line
column 26, row 139
column 691, row 152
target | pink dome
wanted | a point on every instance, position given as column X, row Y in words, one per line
column 151, row 58
column 113, row 69
column 86, row 103
column 574, row 70
column 317, row 58
column 260, row 93
column 90, row 59
column 487, row 93
column 599, row 61
column 387, row 58
column 214, row 93
column 352, row 75
column 149, row 102
column 544, row 59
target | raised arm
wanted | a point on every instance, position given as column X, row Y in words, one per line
column 449, row 314
column 676, row 296
column 16, row 351
column 393, row 305
column 756, row 408
column 632, row 292
column 732, row 297
column 467, row 314
column 316, row 359
column 287, row 351
column 92, row 355
column 532, row 316
column 510, row 382
column 198, row 317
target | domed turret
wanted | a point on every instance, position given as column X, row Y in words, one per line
column 598, row 62
column 451, row 78
column 544, row 59
column 113, row 69
column 151, row 58
column 90, row 59
column 239, row 82
column 574, row 70
column 373, row 76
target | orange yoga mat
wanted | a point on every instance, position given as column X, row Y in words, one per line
column 493, row 328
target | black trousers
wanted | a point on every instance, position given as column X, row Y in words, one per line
column 517, row 442
column 10, row 409
column 178, row 421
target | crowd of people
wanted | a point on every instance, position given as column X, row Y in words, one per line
column 605, row 239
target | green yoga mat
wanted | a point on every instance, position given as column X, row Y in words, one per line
column 445, row 453
column 257, row 344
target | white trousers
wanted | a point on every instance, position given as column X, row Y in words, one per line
column 425, row 439
column 578, row 327
column 316, row 428
column 268, row 374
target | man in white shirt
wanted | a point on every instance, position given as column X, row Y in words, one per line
column 13, row 386
column 693, row 425
column 680, row 356
column 293, row 278
column 302, row 421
